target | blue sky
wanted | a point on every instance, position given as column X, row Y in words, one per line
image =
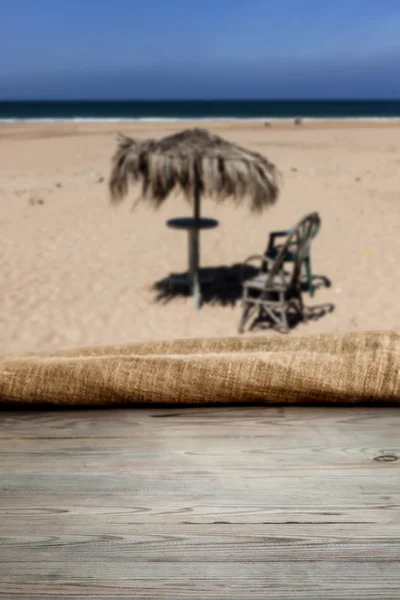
column 172, row 49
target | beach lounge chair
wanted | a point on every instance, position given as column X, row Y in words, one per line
column 275, row 290
column 273, row 251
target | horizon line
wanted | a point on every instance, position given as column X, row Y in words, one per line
column 351, row 99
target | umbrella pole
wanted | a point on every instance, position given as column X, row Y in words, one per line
column 195, row 248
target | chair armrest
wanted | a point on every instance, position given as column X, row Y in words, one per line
column 275, row 234
column 256, row 257
column 279, row 233
column 261, row 258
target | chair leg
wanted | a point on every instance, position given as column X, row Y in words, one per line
column 262, row 313
column 242, row 321
column 246, row 306
column 284, row 308
column 274, row 315
column 307, row 264
column 302, row 310
column 284, row 316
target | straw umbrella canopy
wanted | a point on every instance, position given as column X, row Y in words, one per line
column 196, row 162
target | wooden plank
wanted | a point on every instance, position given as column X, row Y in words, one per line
column 304, row 580
column 229, row 422
column 209, row 543
column 294, row 502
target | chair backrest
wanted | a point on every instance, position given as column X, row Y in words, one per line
column 297, row 243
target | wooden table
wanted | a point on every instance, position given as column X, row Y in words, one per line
column 192, row 226
column 200, row 503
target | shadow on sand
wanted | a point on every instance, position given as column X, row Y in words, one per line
column 225, row 289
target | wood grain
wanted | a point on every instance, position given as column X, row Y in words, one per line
column 217, row 503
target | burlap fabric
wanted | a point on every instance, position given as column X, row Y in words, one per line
column 331, row 368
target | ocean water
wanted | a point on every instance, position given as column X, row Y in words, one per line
column 208, row 110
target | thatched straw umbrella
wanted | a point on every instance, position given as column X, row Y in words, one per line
column 196, row 162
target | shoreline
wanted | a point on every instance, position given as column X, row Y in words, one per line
column 278, row 120
column 39, row 129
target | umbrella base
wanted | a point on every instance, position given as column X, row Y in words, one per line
column 185, row 280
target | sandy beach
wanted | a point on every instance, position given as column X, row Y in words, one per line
column 75, row 271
